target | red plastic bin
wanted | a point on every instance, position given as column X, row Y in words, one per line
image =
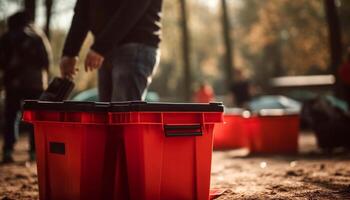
column 273, row 131
column 70, row 140
column 229, row 135
column 167, row 149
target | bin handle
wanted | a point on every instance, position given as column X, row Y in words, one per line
column 182, row 130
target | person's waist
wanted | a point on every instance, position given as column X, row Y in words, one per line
column 143, row 36
column 152, row 41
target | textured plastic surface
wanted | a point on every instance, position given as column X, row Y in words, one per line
column 230, row 135
column 272, row 134
column 70, row 148
column 163, row 166
column 84, row 152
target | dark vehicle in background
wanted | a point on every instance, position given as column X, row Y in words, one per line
column 274, row 102
column 302, row 88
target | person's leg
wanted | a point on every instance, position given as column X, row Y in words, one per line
column 105, row 82
column 133, row 66
column 12, row 106
column 31, row 94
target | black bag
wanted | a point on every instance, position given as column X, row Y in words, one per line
column 58, row 90
column 329, row 121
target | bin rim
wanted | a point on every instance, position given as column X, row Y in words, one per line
column 65, row 106
column 142, row 106
column 127, row 106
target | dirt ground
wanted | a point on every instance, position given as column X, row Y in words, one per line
column 309, row 175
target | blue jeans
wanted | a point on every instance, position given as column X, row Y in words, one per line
column 127, row 72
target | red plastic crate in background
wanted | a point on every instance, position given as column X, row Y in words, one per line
column 273, row 133
column 229, row 135
column 167, row 153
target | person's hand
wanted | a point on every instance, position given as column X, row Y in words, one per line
column 67, row 66
column 93, row 60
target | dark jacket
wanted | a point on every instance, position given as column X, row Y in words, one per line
column 24, row 55
column 114, row 22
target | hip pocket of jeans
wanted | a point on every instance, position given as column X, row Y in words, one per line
column 146, row 62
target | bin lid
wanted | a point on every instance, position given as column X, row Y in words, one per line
column 66, row 106
column 141, row 106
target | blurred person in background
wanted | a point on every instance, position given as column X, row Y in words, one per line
column 125, row 49
column 204, row 93
column 24, row 60
column 344, row 75
column 240, row 89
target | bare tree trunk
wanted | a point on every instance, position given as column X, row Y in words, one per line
column 228, row 44
column 186, row 51
column 335, row 39
column 29, row 7
column 48, row 5
column 277, row 59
